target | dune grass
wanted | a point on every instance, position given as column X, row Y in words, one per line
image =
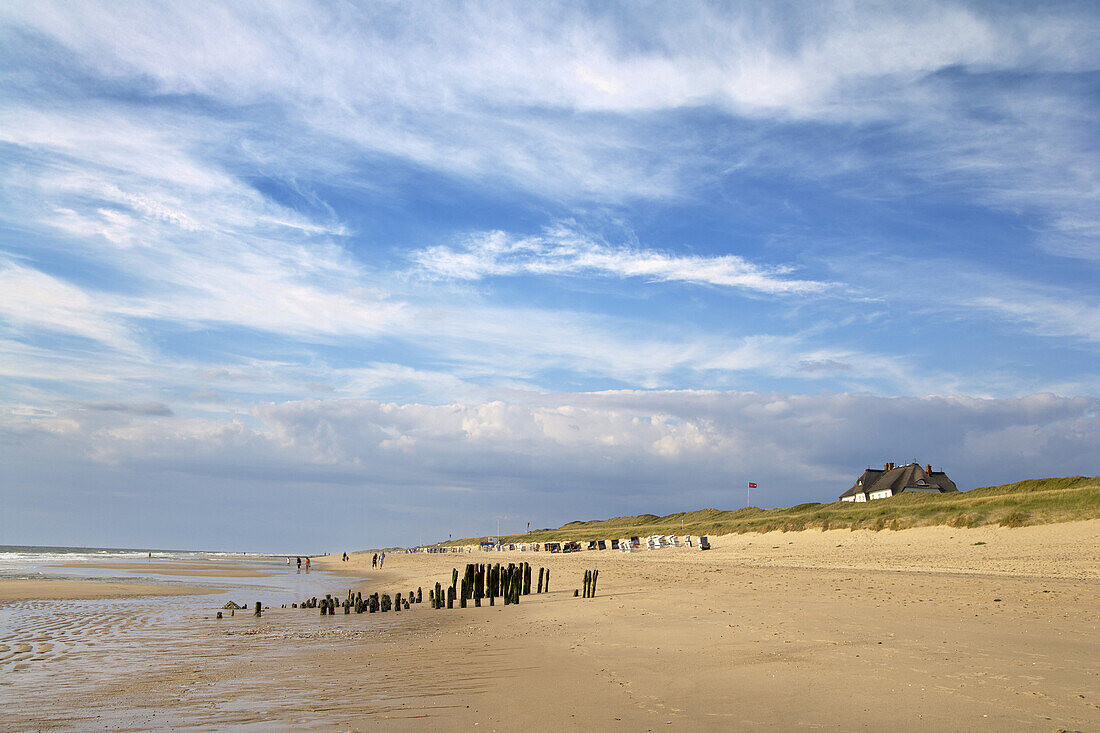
column 1035, row 501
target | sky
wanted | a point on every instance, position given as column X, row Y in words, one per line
column 304, row 277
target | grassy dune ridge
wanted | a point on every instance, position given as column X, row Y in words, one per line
column 1035, row 501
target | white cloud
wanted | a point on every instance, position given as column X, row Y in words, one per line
column 560, row 250
column 30, row 299
column 1047, row 315
column 485, row 91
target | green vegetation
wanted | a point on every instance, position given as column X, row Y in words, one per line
column 1036, row 501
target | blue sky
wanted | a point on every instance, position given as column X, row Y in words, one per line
column 399, row 271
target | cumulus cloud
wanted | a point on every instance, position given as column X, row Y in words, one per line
column 635, row 442
column 549, row 458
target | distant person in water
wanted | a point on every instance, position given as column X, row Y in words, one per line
column 299, row 563
column 307, row 563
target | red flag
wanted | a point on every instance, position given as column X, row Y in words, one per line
column 752, row 485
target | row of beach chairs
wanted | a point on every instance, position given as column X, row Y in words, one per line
column 632, row 544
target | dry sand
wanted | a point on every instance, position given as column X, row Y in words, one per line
column 921, row 629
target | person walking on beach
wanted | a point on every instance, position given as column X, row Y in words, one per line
column 381, row 559
column 374, row 561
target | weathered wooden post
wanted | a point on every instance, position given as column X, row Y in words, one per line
column 454, row 577
column 546, row 588
column 419, row 595
column 462, row 596
column 397, row 603
column 438, row 596
column 592, row 589
column 576, row 592
column 324, row 607
column 451, row 596
column 387, row 602
column 526, row 578
column 259, row 611
column 587, row 581
column 541, row 571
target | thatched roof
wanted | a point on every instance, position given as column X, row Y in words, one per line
column 912, row 477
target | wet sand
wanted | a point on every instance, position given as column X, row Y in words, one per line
column 209, row 569
column 71, row 590
column 920, row 629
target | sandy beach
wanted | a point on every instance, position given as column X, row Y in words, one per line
column 924, row 629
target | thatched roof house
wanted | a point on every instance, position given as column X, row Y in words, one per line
column 880, row 483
